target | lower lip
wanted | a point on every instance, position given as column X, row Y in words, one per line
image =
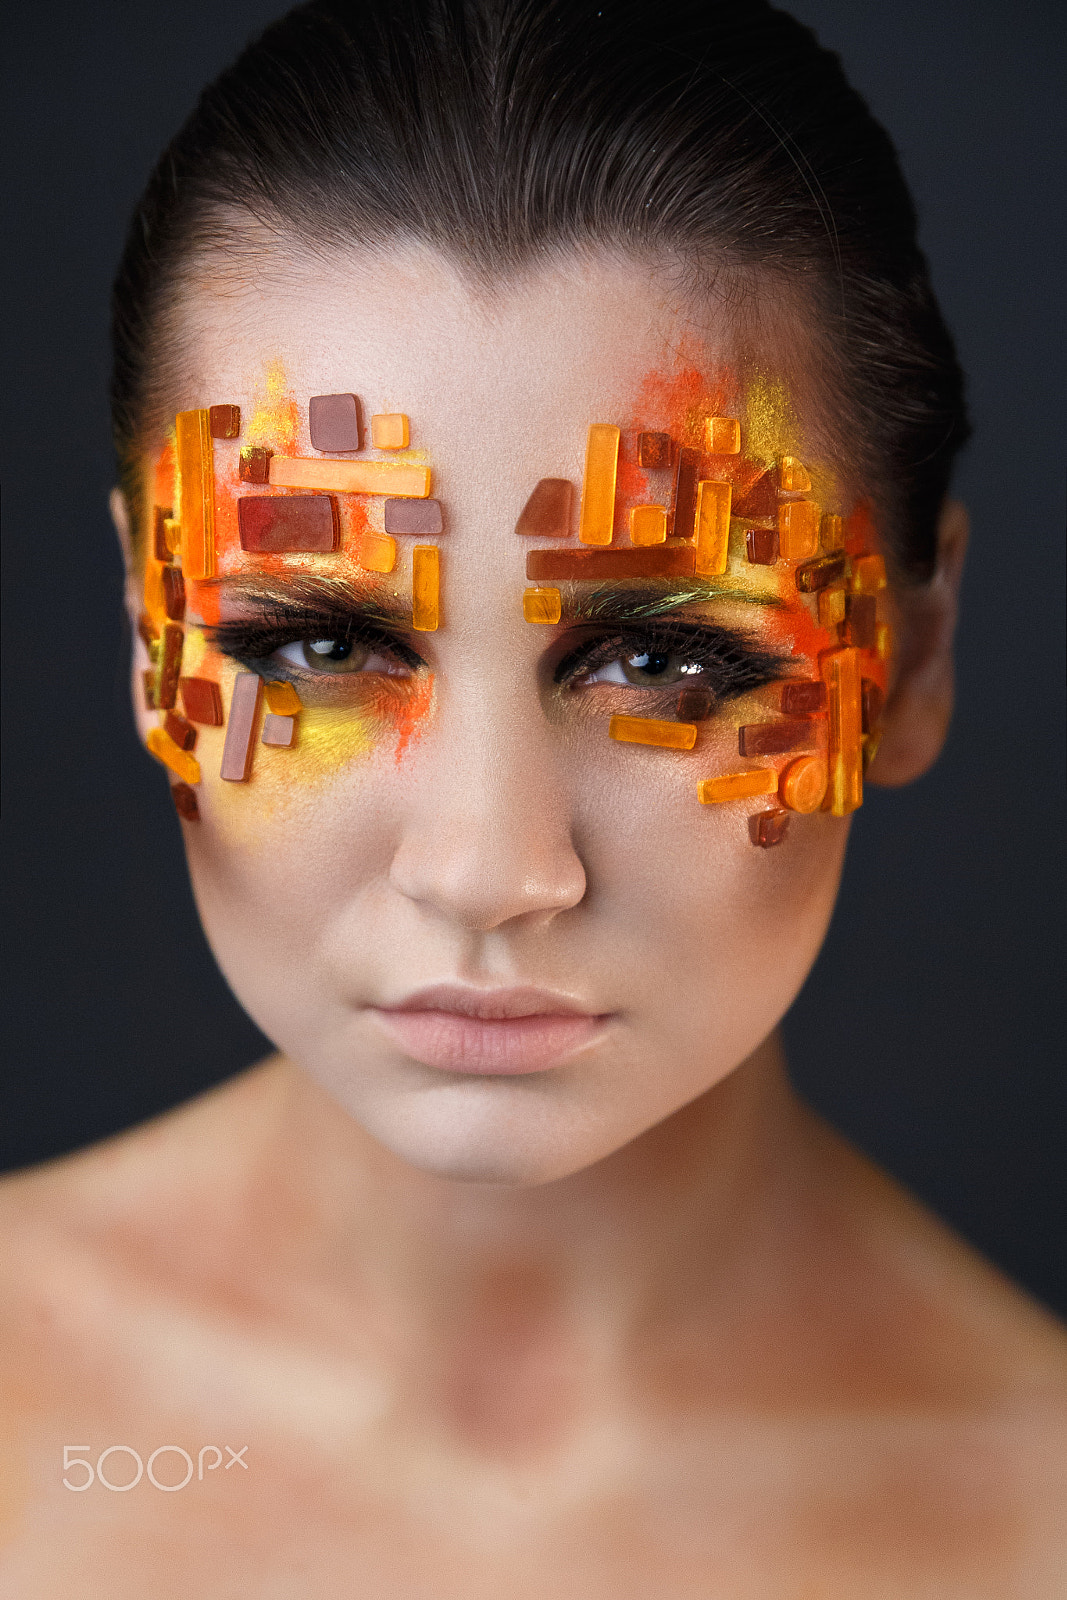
column 504, row 1046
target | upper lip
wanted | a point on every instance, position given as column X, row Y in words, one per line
column 467, row 1001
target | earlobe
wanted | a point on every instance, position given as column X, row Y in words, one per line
column 121, row 518
column 919, row 708
column 140, row 663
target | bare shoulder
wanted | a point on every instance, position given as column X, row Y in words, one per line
column 157, row 1210
column 946, row 1310
column 201, row 1146
column 960, row 1375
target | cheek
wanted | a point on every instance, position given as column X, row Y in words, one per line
column 283, row 790
column 274, row 869
column 711, row 937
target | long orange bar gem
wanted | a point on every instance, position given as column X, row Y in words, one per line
column 597, row 515
column 196, row 510
column 154, row 601
column 738, row 786
column 841, row 673
column 425, row 587
column 650, row 730
column 163, row 747
column 349, row 477
column 713, row 527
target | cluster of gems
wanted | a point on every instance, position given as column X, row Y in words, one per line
column 708, row 506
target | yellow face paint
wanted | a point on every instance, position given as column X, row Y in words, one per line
column 706, row 487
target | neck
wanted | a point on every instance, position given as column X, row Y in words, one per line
column 484, row 1283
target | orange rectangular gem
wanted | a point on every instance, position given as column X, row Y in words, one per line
column 868, row 574
column 793, row 477
column 542, row 605
column 349, row 477
column 650, row 730
column 282, row 699
column 798, row 529
column 648, row 525
column 738, row 786
column 155, row 603
column 713, row 527
column 390, row 431
column 425, row 587
column 196, row 492
column 597, row 515
column 377, row 552
column 841, row 674
column 723, row 436
column 163, row 747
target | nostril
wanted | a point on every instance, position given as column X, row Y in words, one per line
column 480, row 876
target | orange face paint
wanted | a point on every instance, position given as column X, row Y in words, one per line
column 789, row 565
column 790, row 546
column 326, row 737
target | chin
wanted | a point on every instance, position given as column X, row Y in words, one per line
column 488, row 1132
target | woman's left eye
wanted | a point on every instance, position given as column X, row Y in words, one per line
column 339, row 656
column 647, row 669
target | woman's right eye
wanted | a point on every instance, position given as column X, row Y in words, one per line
column 339, row 656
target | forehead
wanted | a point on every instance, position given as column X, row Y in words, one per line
column 506, row 373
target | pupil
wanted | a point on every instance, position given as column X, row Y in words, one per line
column 330, row 649
column 651, row 665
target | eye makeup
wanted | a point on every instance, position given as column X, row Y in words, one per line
column 697, row 503
column 671, row 652
column 245, row 533
column 286, row 566
column 317, row 614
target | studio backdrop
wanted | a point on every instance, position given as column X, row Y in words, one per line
column 948, row 938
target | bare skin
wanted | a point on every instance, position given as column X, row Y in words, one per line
column 763, row 1372
column 635, row 1326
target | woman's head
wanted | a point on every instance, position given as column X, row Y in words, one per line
column 668, row 261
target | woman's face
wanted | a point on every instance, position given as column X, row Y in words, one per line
column 454, row 829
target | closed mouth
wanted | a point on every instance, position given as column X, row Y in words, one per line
column 460, row 1028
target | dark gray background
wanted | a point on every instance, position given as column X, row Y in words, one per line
column 930, row 1029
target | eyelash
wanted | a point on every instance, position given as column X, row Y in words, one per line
column 253, row 641
column 730, row 661
column 735, row 665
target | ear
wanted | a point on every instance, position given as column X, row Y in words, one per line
column 120, row 516
column 140, row 662
column 922, row 688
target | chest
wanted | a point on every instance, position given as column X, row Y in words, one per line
column 318, row 1488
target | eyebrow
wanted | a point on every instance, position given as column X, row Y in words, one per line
column 629, row 602
column 369, row 601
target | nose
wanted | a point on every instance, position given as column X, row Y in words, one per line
column 488, row 837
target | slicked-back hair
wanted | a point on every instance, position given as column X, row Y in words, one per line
column 502, row 132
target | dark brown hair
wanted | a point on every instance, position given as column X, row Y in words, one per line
column 502, row 131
